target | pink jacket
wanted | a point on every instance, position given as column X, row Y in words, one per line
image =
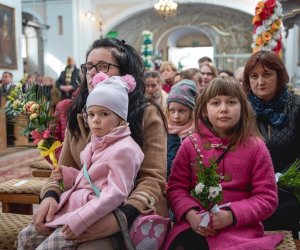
column 252, row 191
column 112, row 164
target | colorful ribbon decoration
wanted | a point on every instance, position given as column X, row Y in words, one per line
column 50, row 151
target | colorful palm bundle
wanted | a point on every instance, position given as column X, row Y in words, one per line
column 34, row 107
column 267, row 26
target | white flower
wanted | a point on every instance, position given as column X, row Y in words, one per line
column 267, row 47
column 267, row 22
column 278, row 9
column 276, row 35
column 273, row 43
column 199, row 188
column 214, row 191
column 260, row 30
column 273, row 17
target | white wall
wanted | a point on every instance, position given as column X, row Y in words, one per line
column 18, row 73
column 58, row 47
column 292, row 45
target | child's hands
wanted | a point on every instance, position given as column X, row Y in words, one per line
column 194, row 219
column 221, row 219
column 67, row 232
column 57, row 174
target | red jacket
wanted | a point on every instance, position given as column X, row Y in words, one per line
column 61, row 118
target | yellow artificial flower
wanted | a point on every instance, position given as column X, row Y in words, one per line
column 18, row 87
column 16, row 104
column 33, row 116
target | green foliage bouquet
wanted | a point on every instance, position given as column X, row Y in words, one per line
column 208, row 190
column 290, row 179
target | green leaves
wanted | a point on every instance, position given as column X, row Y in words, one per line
column 291, row 179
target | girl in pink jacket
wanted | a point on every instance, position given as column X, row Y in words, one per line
column 110, row 164
column 225, row 131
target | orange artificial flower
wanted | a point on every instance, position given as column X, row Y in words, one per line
column 255, row 19
column 266, row 36
column 259, row 8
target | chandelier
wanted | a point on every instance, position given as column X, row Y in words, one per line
column 166, row 8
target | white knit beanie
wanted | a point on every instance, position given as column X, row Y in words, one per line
column 112, row 93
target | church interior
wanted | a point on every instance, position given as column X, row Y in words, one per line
column 40, row 38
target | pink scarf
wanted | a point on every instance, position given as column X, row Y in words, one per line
column 181, row 131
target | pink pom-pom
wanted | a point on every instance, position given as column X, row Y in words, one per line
column 131, row 83
column 99, row 77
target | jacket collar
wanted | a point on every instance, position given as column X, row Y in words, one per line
column 116, row 134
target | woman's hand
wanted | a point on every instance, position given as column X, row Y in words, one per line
column 222, row 219
column 57, row 174
column 104, row 227
column 194, row 219
column 45, row 213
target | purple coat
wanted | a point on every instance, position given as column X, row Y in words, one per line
column 252, row 191
column 112, row 164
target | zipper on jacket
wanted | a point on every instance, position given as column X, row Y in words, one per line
column 269, row 131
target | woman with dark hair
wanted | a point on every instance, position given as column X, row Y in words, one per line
column 278, row 119
column 114, row 57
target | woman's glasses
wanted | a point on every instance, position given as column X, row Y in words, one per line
column 100, row 67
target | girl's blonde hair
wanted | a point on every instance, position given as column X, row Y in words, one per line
column 226, row 86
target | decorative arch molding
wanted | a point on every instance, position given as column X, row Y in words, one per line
column 229, row 30
column 122, row 10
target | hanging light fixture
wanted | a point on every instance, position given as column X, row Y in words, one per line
column 166, row 8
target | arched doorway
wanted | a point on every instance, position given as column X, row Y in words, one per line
column 32, row 45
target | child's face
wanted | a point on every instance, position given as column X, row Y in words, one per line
column 153, row 86
column 179, row 114
column 167, row 73
column 101, row 120
column 224, row 113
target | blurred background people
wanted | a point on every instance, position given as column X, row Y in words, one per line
column 203, row 60
column 7, row 85
column 154, row 89
column 193, row 74
column 167, row 72
column 208, row 72
column 69, row 79
column 238, row 74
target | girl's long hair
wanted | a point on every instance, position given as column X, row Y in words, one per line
column 129, row 62
column 228, row 86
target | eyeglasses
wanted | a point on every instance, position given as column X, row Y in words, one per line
column 100, row 66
